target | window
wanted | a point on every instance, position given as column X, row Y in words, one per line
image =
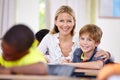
column 42, row 14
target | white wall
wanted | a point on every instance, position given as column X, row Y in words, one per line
column 27, row 12
column 111, row 34
column 7, row 15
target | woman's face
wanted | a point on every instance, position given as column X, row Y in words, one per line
column 65, row 23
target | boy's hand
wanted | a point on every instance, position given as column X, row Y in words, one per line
column 4, row 70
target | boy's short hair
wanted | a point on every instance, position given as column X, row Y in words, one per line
column 20, row 37
column 93, row 30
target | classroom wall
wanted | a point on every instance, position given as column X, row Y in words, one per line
column 7, row 15
column 27, row 12
column 111, row 31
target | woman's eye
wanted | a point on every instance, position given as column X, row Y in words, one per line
column 61, row 20
column 69, row 21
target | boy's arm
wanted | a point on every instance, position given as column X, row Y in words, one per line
column 33, row 69
column 3, row 70
column 88, row 65
column 37, row 69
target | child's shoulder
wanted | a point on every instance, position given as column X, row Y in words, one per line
column 77, row 51
column 0, row 57
column 33, row 56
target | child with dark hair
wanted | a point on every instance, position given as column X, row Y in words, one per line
column 18, row 56
column 40, row 34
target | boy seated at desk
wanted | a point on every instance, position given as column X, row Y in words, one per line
column 83, row 57
column 18, row 56
column 41, row 34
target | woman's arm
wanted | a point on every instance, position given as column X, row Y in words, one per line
column 33, row 69
column 103, row 54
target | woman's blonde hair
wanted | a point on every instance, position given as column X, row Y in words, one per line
column 64, row 9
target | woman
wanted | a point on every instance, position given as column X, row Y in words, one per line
column 61, row 42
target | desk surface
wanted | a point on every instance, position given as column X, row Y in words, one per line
column 33, row 77
column 87, row 72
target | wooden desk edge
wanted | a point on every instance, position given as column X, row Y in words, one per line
column 88, row 72
column 34, row 77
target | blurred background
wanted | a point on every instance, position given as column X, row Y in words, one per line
column 39, row 14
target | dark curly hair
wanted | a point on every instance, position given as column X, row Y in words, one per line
column 20, row 37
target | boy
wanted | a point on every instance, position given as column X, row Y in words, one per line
column 19, row 57
column 83, row 57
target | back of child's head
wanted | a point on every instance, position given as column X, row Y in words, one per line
column 93, row 30
column 20, row 37
column 41, row 33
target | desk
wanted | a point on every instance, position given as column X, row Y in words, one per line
column 33, row 77
column 86, row 72
column 89, row 72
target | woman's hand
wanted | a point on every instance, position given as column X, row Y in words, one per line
column 103, row 54
column 65, row 61
column 47, row 58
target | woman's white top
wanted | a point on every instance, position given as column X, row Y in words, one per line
column 50, row 44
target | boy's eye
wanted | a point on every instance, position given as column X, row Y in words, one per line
column 89, row 40
column 82, row 38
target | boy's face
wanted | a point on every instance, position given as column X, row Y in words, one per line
column 9, row 52
column 87, row 44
